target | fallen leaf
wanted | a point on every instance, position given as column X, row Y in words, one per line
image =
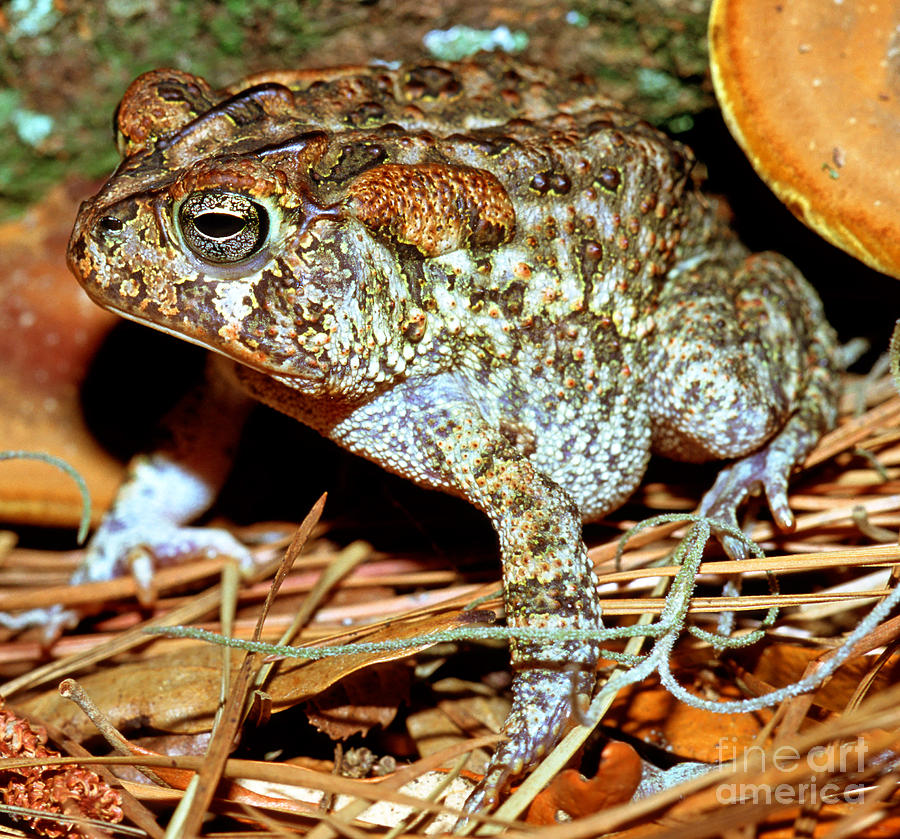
column 364, row 699
column 571, row 796
column 179, row 691
column 781, row 664
column 652, row 714
column 455, row 721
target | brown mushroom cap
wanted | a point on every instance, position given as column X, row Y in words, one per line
column 810, row 89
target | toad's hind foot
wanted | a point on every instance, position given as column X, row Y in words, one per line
column 747, row 372
column 767, row 470
column 735, row 483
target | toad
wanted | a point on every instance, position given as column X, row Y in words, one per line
column 485, row 278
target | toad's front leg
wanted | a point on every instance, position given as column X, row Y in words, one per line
column 174, row 485
column 548, row 580
column 146, row 526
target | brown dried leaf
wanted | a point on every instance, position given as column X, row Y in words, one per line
column 364, row 699
column 572, row 794
column 453, row 721
column 179, row 690
column 783, row 664
column 651, row 713
column 176, row 692
column 296, row 680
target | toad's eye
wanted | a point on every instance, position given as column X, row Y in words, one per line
column 223, row 226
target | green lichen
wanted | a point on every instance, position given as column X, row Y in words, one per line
column 576, row 18
column 656, row 84
column 651, row 55
column 460, row 42
column 64, row 69
column 33, row 128
column 28, row 18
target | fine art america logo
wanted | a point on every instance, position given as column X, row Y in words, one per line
column 823, row 764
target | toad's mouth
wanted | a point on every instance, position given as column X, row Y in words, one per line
column 298, row 367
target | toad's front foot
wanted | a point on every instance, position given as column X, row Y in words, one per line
column 146, row 527
column 144, row 530
column 138, row 547
column 544, row 705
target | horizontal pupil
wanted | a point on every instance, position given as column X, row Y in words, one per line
column 219, row 225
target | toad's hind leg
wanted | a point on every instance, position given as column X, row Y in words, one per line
column 744, row 367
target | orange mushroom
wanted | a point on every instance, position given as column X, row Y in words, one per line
column 810, row 89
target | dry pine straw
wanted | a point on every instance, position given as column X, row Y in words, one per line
column 848, row 512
